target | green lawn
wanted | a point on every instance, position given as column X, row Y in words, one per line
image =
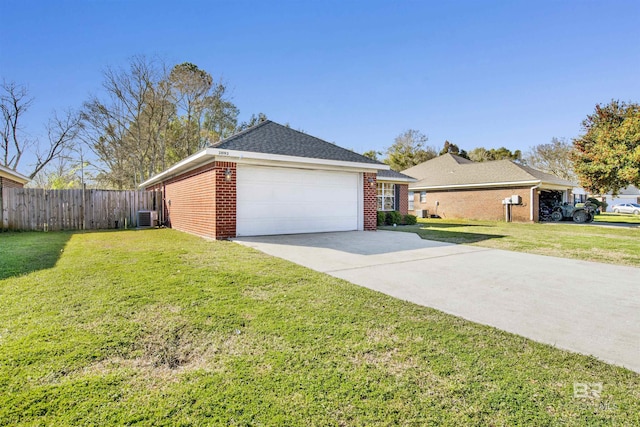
column 617, row 218
column 157, row 327
column 615, row 245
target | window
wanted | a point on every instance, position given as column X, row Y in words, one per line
column 386, row 196
column 423, row 197
column 410, row 200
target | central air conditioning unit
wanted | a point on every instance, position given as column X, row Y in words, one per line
column 147, row 219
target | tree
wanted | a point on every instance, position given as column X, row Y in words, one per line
column 253, row 120
column 481, row 154
column 62, row 131
column 452, row 149
column 127, row 129
column 204, row 114
column 553, row 158
column 409, row 150
column 151, row 118
column 64, row 173
column 607, row 156
column 372, row 154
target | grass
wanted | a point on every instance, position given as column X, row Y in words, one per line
column 614, row 245
column 617, row 218
column 158, row 327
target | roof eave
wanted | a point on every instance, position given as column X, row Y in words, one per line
column 13, row 175
column 400, row 180
column 210, row 154
column 479, row 185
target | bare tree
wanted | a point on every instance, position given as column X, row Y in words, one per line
column 14, row 103
column 126, row 130
column 62, row 131
column 553, row 158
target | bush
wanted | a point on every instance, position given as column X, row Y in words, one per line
column 381, row 218
column 410, row 219
column 393, row 217
column 598, row 204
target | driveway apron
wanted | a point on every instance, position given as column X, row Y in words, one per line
column 586, row 307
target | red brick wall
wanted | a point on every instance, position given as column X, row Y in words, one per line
column 190, row 201
column 202, row 202
column 403, row 192
column 477, row 204
column 225, row 201
column 370, row 194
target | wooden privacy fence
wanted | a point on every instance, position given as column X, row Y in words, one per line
column 52, row 210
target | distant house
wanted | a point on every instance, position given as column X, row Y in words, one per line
column 454, row 187
column 630, row 194
column 271, row 179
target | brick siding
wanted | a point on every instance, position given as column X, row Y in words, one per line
column 370, row 195
column 478, row 204
column 225, row 201
column 403, row 203
column 190, row 201
column 201, row 201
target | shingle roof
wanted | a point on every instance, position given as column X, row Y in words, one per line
column 391, row 174
column 272, row 138
column 450, row 171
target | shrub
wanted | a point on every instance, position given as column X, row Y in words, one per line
column 410, row 219
column 381, row 218
column 598, row 204
column 393, row 217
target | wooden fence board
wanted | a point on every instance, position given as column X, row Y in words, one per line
column 52, row 210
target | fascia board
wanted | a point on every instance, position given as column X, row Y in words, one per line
column 275, row 159
column 482, row 185
column 398, row 180
column 13, row 175
column 207, row 155
column 192, row 162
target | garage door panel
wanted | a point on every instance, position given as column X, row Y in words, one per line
column 284, row 201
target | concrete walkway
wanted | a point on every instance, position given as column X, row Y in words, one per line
column 581, row 306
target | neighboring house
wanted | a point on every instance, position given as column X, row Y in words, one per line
column 8, row 179
column 453, row 187
column 270, row 179
column 630, row 194
column 11, row 179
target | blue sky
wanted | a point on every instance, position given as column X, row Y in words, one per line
column 357, row 73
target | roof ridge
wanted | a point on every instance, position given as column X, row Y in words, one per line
column 320, row 139
column 242, row 132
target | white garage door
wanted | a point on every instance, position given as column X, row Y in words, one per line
column 287, row 201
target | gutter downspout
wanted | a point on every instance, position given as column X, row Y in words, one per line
column 531, row 200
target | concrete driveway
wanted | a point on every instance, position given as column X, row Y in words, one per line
column 581, row 306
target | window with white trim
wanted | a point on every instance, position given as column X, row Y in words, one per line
column 411, row 194
column 423, row 197
column 386, row 196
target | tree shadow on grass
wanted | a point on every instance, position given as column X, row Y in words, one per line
column 439, row 233
column 457, row 237
column 26, row 252
column 436, row 223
